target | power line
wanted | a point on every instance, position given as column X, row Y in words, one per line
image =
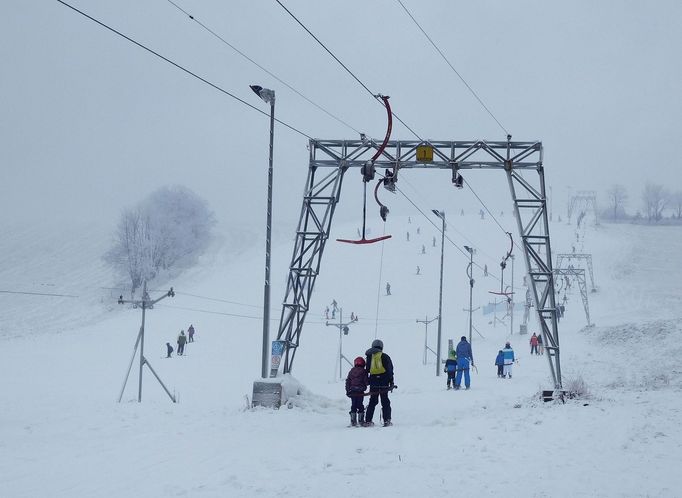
column 452, row 67
column 223, row 40
column 204, row 80
column 374, row 95
column 36, row 293
column 218, row 300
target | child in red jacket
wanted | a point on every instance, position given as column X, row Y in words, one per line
column 356, row 383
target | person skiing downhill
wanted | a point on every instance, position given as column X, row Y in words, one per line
column 380, row 369
column 451, row 368
column 356, row 383
column 464, row 357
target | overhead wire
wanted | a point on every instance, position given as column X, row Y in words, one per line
column 36, row 293
column 182, row 68
column 240, row 52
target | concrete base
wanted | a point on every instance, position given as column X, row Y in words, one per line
column 273, row 393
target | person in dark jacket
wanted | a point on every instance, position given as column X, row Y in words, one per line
column 169, row 350
column 190, row 333
column 541, row 349
column 380, row 369
column 451, row 368
column 499, row 361
column 182, row 339
column 356, row 383
column 465, row 358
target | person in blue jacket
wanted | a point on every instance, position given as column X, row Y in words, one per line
column 451, row 368
column 499, row 361
column 508, row 353
column 464, row 358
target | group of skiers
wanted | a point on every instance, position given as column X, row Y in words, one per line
column 376, row 371
column 458, row 363
column 181, row 341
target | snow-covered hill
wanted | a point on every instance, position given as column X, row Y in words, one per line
column 64, row 358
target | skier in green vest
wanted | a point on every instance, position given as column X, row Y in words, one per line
column 380, row 369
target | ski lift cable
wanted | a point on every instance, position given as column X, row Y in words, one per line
column 240, row 52
column 182, row 68
column 374, row 95
column 381, row 268
column 447, row 61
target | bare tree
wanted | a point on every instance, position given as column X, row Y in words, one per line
column 655, row 198
column 676, row 204
column 618, row 197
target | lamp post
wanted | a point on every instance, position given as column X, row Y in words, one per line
column 470, row 274
column 441, row 215
column 343, row 330
column 268, row 96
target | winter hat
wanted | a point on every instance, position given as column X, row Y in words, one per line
column 359, row 361
column 507, row 343
column 377, row 343
column 463, row 338
column 451, row 354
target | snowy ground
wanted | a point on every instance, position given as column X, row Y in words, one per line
column 63, row 359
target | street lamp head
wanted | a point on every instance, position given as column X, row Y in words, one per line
column 470, row 250
column 266, row 94
column 440, row 214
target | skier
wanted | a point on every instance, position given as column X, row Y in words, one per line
column 423, row 249
column 169, row 350
column 464, row 357
column 408, row 236
column 451, row 368
column 534, row 344
column 182, row 339
column 541, row 350
column 418, row 229
column 499, row 361
column 380, row 369
column 433, row 241
column 485, row 270
column 388, row 289
column 418, row 270
column 356, row 383
column 508, row 354
column 190, row 333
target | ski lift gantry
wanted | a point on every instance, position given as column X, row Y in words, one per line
column 328, row 164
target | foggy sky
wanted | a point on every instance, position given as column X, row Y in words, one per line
column 92, row 123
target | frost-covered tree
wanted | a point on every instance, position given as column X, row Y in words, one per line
column 676, row 204
column 655, row 198
column 618, row 197
column 164, row 232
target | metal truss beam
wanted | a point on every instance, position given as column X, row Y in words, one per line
column 515, row 158
column 577, row 274
column 561, row 257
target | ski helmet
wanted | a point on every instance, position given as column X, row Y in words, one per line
column 377, row 343
column 359, row 361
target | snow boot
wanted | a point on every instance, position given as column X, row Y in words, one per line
column 361, row 418
column 353, row 419
column 387, row 423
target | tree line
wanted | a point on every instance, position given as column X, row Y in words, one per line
column 655, row 202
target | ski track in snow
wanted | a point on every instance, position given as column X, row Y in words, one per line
column 62, row 434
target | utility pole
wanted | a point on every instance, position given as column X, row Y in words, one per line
column 343, row 330
column 470, row 274
column 511, row 321
column 426, row 322
column 145, row 303
column 441, row 215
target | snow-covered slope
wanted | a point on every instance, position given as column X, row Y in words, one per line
column 63, row 434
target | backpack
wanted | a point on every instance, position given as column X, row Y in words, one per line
column 376, row 367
